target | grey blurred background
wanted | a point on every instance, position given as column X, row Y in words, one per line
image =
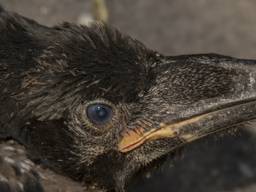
column 225, row 163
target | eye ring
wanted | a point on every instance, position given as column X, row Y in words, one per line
column 99, row 113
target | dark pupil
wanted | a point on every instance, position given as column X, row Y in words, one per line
column 99, row 113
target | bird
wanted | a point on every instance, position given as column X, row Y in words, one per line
column 85, row 108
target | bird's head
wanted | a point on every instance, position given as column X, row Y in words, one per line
column 98, row 105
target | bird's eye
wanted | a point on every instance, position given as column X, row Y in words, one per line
column 99, row 114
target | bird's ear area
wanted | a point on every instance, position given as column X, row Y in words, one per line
column 196, row 96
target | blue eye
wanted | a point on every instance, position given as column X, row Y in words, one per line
column 99, row 114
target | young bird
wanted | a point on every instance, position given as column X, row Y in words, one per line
column 91, row 106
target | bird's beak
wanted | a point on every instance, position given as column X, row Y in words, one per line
column 205, row 116
column 193, row 128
